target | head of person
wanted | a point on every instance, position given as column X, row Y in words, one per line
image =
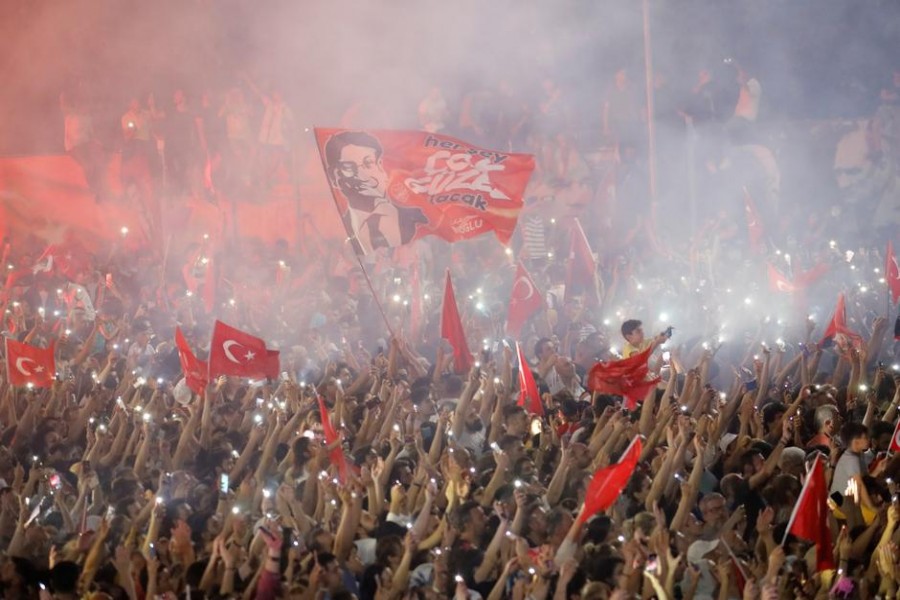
column 772, row 415
column 331, row 570
column 354, row 165
column 633, row 332
column 544, row 348
column 515, row 420
column 793, row 461
column 713, row 509
column 826, row 419
column 855, row 437
column 64, row 578
column 470, row 520
column 881, row 435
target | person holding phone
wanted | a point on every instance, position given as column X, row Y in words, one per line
column 635, row 341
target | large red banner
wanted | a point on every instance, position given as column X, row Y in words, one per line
column 393, row 187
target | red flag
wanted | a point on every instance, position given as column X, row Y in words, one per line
column 234, row 352
column 804, row 279
column 892, row 273
column 525, row 300
column 778, row 282
column 529, row 397
column 452, row 329
column 581, row 268
column 67, row 259
column 336, row 454
column 195, row 370
column 393, row 187
column 809, row 521
column 895, row 440
column 27, row 364
column 608, row 482
column 627, row 378
column 837, row 330
column 755, row 229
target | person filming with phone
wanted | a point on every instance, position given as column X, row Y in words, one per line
column 635, row 341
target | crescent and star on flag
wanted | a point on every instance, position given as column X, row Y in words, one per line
column 226, row 347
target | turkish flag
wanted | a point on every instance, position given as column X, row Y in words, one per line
column 778, row 282
column 809, row 521
column 626, row 378
column 27, row 364
column 837, row 330
column 892, row 273
column 529, row 397
column 452, row 329
column 608, row 482
column 755, row 229
column 581, row 268
column 895, row 440
column 525, row 300
column 234, row 352
column 336, row 454
column 195, row 370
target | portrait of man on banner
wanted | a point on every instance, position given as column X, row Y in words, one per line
column 353, row 161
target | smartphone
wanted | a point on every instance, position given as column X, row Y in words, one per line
column 653, row 564
column 153, row 551
column 751, row 385
column 55, row 481
column 224, row 483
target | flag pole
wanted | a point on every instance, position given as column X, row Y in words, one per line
column 354, row 242
column 374, row 295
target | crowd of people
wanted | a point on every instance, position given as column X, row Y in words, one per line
column 120, row 482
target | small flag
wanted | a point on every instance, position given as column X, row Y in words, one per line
column 895, row 440
column 29, row 364
column 837, row 330
column 452, row 329
column 195, row 370
column 608, row 482
column 892, row 273
column 626, row 378
column 809, row 520
column 234, row 352
column 529, row 396
column 525, row 300
column 336, row 454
